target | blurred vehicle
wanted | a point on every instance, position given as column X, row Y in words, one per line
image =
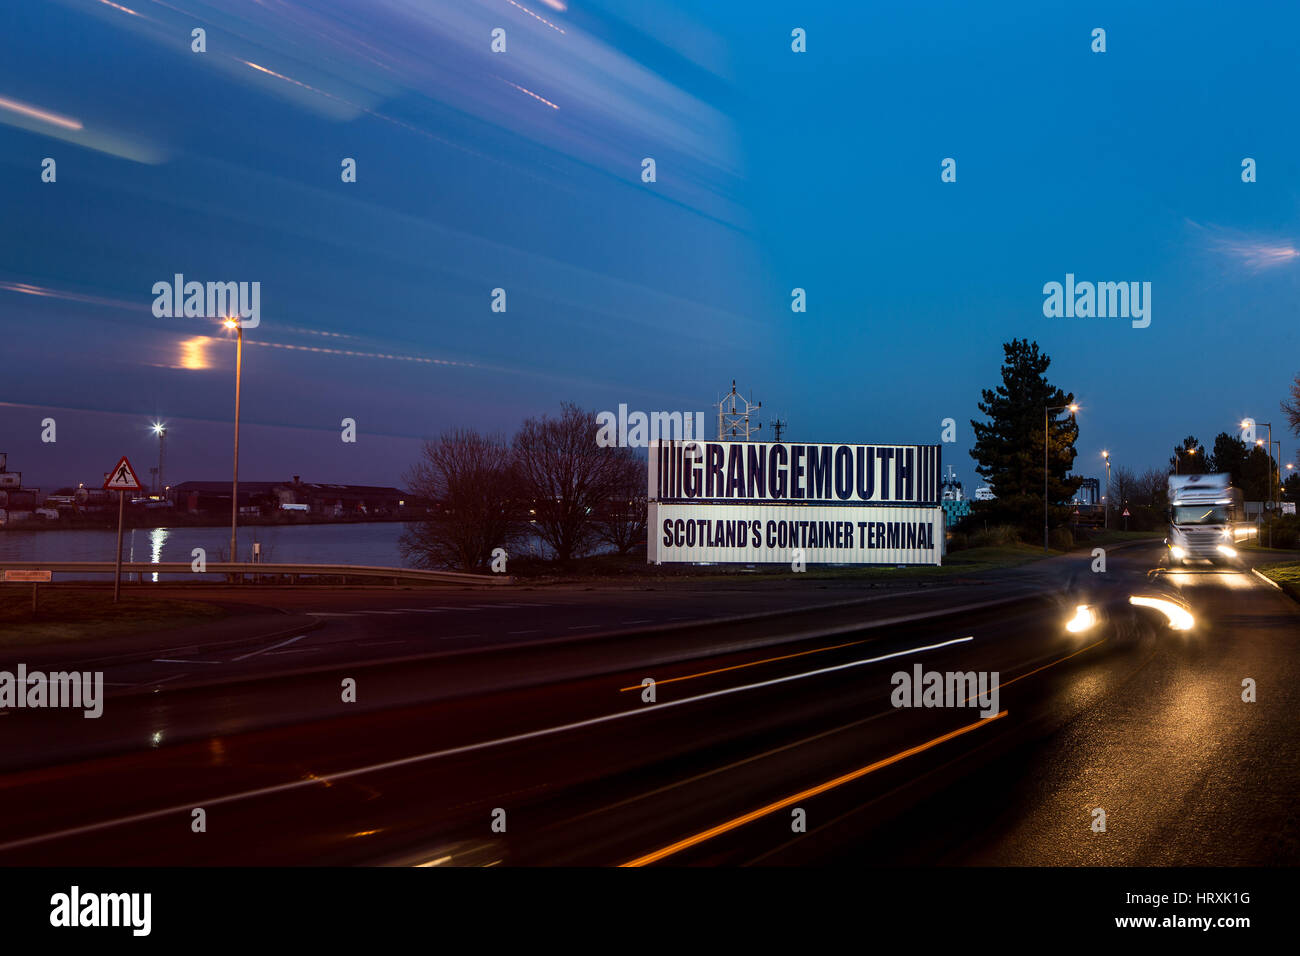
column 1206, row 519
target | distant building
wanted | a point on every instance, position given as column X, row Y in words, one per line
column 268, row 497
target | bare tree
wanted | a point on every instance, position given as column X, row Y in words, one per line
column 1153, row 488
column 567, row 477
column 1123, row 488
column 621, row 521
column 1291, row 409
column 470, row 482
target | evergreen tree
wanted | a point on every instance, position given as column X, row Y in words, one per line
column 1009, row 446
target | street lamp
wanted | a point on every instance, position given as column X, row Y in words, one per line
column 1178, row 458
column 1046, row 413
column 1106, row 510
column 1269, row 426
column 160, row 430
column 232, row 323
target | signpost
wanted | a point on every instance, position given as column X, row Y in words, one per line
column 1126, row 519
column 121, row 479
column 35, row 577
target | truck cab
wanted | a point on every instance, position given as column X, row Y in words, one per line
column 1206, row 519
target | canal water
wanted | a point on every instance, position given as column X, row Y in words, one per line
column 372, row 544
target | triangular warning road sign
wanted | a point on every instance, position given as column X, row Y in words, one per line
column 1125, row 514
column 122, row 478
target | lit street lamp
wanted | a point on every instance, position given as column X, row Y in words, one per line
column 1106, row 510
column 234, row 484
column 1269, row 426
column 160, row 430
column 1046, row 413
column 1178, row 458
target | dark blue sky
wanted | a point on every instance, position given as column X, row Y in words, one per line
column 522, row 169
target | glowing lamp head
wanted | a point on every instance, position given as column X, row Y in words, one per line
column 230, row 322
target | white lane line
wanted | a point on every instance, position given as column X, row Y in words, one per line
column 383, row 612
column 454, row 751
column 331, row 614
column 265, row 649
column 583, row 627
column 524, row 632
column 296, row 650
column 172, row 660
column 1266, row 579
column 163, row 680
column 642, row 620
column 452, row 637
column 421, row 610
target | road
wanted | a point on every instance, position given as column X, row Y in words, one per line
column 547, row 751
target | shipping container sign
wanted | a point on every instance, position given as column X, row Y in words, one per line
column 770, row 533
column 717, row 472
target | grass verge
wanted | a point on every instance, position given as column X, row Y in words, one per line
column 67, row 614
column 1286, row 574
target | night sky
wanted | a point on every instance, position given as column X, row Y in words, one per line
column 522, row 170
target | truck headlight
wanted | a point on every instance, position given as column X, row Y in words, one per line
column 1177, row 552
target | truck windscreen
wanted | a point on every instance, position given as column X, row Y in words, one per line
column 1200, row 514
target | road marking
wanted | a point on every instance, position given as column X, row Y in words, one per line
column 383, row 612
column 330, row 614
column 1266, row 579
column 330, row 779
column 736, row 667
column 163, row 680
column 171, row 660
column 373, row 644
column 583, row 627
column 642, row 620
column 789, row 801
column 265, row 649
column 523, row 632
column 452, row 637
column 421, row 610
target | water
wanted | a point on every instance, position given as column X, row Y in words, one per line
column 373, row 544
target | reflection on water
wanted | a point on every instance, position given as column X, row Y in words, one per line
column 157, row 538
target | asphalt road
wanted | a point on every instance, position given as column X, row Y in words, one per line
column 547, row 752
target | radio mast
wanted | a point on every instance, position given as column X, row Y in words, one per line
column 733, row 421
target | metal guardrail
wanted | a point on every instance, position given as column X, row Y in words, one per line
column 248, row 569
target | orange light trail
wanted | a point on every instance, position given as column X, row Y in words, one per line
column 802, row 795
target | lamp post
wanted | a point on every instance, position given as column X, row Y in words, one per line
column 1046, row 414
column 160, row 430
column 1178, row 458
column 1106, row 511
column 232, row 323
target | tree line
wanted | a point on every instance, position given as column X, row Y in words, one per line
column 550, row 482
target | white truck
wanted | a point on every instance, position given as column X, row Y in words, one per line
column 1206, row 519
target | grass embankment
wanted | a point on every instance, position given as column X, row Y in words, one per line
column 66, row 614
column 632, row 570
column 1286, row 574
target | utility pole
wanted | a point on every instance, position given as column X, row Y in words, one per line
column 778, row 426
column 731, row 418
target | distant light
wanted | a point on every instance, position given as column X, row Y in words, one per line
column 1179, row 618
column 1084, row 618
